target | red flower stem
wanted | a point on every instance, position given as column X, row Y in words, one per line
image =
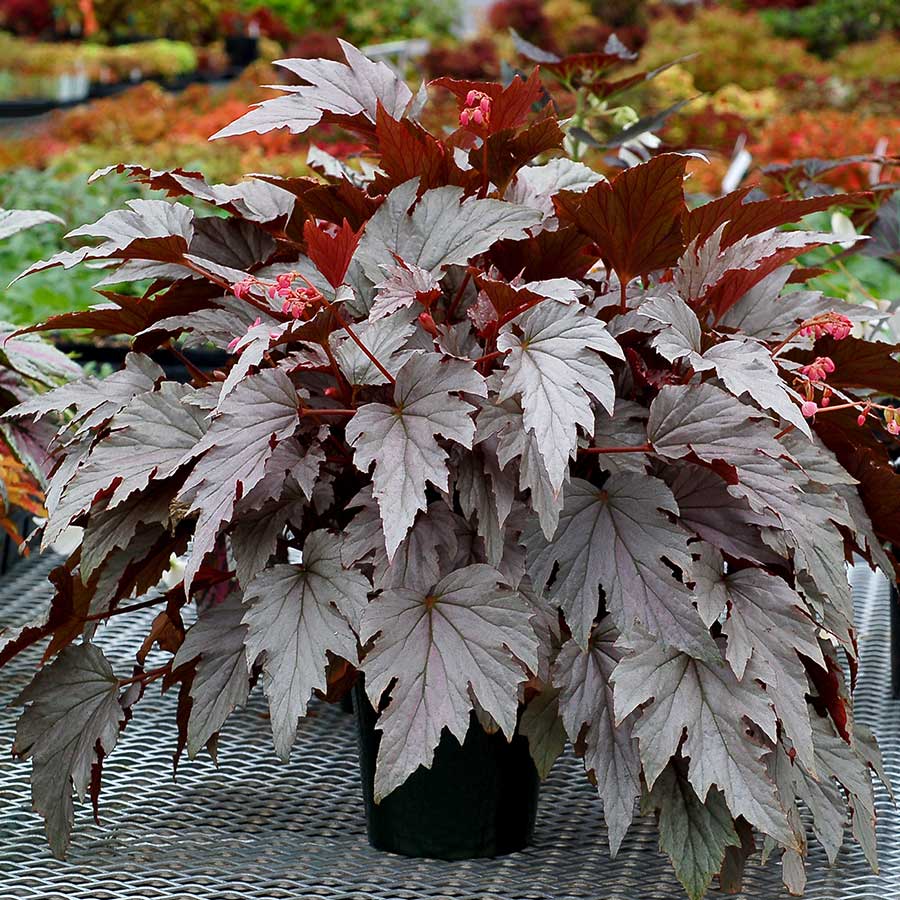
column 343, row 323
column 311, row 411
column 261, row 305
column 489, row 356
column 194, row 371
column 788, row 339
column 146, row 677
column 642, row 448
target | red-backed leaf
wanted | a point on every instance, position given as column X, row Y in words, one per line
column 635, row 220
column 549, row 254
column 331, row 253
column 407, row 151
column 331, row 202
column 510, row 105
column 735, row 283
column 507, row 151
column 857, row 363
column 746, row 219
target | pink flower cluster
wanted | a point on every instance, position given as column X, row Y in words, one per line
column 819, row 369
column 242, row 289
column 835, row 324
column 295, row 301
column 478, row 110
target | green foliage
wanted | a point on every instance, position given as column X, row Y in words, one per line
column 75, row 201
column 385, row 20
column 731, row 48
column 829, row 25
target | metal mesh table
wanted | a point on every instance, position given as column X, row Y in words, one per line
column 256, row 829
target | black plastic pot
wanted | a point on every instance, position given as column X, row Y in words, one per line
column 477, row 800
column 242, row 50
column 204, row 359
column 9, row 550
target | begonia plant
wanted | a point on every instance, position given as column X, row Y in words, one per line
column 499, row 434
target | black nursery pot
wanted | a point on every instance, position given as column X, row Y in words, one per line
column 477, row 800
column 242, row 50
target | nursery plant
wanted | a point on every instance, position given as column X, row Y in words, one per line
column 501, row 435
column 27, row 367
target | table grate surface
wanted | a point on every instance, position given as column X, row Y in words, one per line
column 257, row 829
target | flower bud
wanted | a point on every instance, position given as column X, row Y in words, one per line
column 478, row 116
column 861, row 420
column 809, row 409
column 470, row 98
column 464, row 118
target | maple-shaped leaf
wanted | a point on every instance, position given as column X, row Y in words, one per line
column 221, row 681
column 73, row 710
column 436, row 650
column 260, row 413
column 510, row 105
column 586, row 707
column 296, row 615
column 442, row 229
column 147, row 230
column 331, row 253
column 768, row 621
column 635, row 220
column 619, row 538
column 554, row 365
column 705, row 699
column 403, row 286
column 744, row 367
column 694, row 833
column 12, row 221
column 334, row 91
column 402, row 439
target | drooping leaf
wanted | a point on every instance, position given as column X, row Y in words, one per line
column 436, row 647
column 260, row 413
column 555, row 366
column 74, row 709
column 619, row 538
column 442, row 230
column 768, row 621
column 334, row 90
column 586, row 707
column 540, row 723
column 694, row 833
column 221, row 682
column 401, row 439
column 705, row 699
column 37, row 360
column 296, row 614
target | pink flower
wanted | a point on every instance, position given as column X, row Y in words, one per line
column 241, row 289
column 893, row 427
column 861, row 420
column 233, row 345
column 835, row 324
column 809, row 409
column 818, row 369
column 478, row 110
